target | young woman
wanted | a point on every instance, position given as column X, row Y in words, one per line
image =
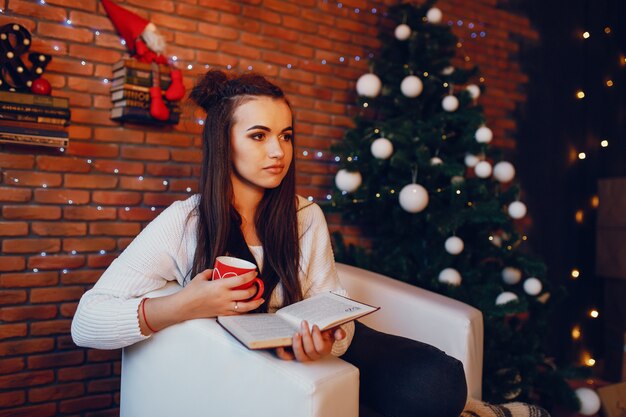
column 247, row 208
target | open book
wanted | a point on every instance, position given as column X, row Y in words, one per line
column 269, row 330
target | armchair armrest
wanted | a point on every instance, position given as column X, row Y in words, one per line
column 196, row 368
column 418, row 314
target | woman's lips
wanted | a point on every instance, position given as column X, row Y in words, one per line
column 275, row 169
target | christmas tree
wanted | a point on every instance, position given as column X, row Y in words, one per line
column 440, row 205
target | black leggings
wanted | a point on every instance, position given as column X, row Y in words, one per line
column 401, row 377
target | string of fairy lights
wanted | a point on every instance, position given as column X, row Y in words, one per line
column 476, row 30
column 609, row 82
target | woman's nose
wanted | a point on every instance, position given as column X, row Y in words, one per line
column 275, row 150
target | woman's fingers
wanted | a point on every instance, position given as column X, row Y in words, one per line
column 321, row 340
column 298, row 348
column 308, row 345
column 284, row 354
column 204, row 275
column 339, row 333
column 241, row 307
column 239, row 280
column 243, row 294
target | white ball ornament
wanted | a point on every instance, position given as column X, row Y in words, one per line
column 454, row 245
column 511, row 275
column 532, row 286
column 474, row 91
column 413, row 198
column 483, row 135
column 589, row 401
column 411, row 86
column 402, row 32
column 517, row 209
column 483, row 169
column 450, row 103
column 434, row 15
column 368, row 85
column 382, row 148
column 348, row 181
column 448, row 70
column 504, row 171
column 496, row 241
column 471, row 160
column 435, row 160
column 506, row 297
column 457, row 180
column 450, row 276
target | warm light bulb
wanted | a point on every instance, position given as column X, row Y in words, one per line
column 365, row 104
column 580, row 216
column 575, row 273
column 582, row 155
column 576, row 333
column 580, row 94
column 594, row 313
column 590, row 362
column 607, row 30
column 595, row 201
column 604, row 143
column 586, row 35
column 609, row 83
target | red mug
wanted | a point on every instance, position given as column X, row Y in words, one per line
column 228, row 267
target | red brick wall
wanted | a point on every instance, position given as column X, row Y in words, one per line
column 53, row 250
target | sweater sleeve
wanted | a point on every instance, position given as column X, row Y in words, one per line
column 318, row 264
column 107, row 316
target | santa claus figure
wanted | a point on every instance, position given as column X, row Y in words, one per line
column 146, row 44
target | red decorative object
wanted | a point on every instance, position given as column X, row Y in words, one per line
column 158, row 109
column 128, row 24
column 41, row 86
column 147, row 45
column 15, row 74
column 176, row 90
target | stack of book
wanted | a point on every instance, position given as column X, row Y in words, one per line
column 31, row 119
column 130, row 92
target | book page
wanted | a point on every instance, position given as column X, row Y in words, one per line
column 324, row 310
column 255, row 327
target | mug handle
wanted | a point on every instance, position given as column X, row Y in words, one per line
column 260, row 288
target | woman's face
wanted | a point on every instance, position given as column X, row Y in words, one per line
column 261, row 143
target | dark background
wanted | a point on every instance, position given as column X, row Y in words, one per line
column 554, row 127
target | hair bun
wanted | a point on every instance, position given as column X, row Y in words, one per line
column 209, row 89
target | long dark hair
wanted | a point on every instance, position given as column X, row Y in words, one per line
column 219, row 224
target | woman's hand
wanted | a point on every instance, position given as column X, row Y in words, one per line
column 203, row 298
column 311, row 345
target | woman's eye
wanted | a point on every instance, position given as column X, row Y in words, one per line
column 257, row 136
column 288, row 137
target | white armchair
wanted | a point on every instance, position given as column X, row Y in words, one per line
column 195, row 368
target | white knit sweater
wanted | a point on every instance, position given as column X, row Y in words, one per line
column 107, row 316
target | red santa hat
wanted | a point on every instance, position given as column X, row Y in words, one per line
column 128, row 24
